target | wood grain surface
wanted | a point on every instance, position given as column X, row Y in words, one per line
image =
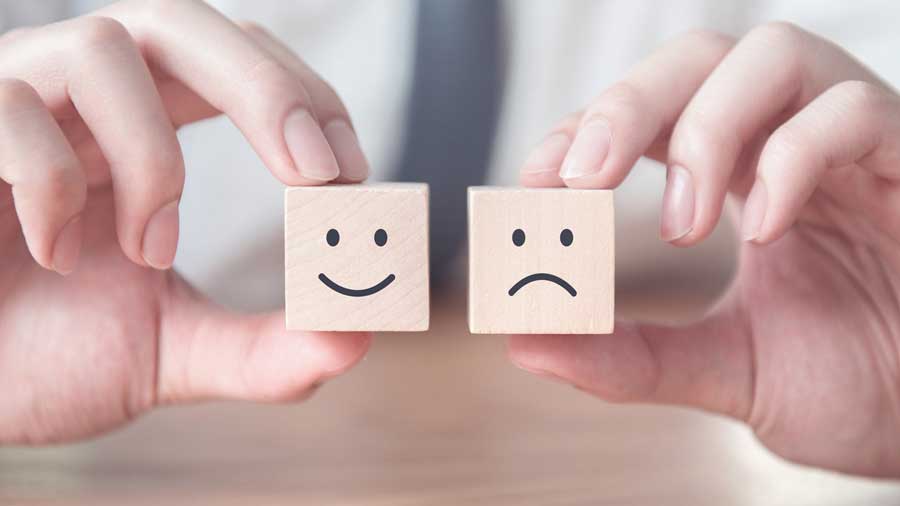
column 370, row 242
column 541, row 260
column 439, row 418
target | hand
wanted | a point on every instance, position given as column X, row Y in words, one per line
column 90, row 166
column 804, row 345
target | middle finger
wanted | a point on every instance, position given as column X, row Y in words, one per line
column 768, row 75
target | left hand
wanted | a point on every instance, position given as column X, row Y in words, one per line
column 804, row 345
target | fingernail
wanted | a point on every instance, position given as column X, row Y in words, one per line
column 678, row 204
column 548, row 155
column 754, row 211
column 588, row 151
column 161, row 237
column 67, row 248
column 350, row 158
column 308, row 147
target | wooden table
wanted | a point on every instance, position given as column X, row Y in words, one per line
column 436, row 418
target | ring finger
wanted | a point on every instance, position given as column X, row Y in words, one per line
column 108, row 82
column 48, row 185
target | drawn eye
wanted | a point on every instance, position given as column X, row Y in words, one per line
column 380, row 237
column 566, row 237
column 518, row 237
column 332, row 237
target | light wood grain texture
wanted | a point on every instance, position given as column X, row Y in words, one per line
column 337, row 274
column 439, row 418
column 525, row 277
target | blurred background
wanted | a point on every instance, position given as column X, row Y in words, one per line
column 455, row 93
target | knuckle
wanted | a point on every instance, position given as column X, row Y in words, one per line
column 15, row 93
column 162, row 9
column 54, row 189
column 791, row 43
column 781, row 31
column 625, row 105
column 64, row 185
column 707, row 38
column 270, row 81
column 861, row 95
column 621, row 100
column 164, row 167
column 266, row 89
column 625, row 94
column 785, row 145
column 100, row 31
column 267, row 71
column 697, row 134
column 789, row 39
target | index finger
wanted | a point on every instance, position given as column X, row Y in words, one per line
column 263, row 98
column 631, row 118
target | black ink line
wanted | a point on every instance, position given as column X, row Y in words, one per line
column 357, row 293
column 542, row 276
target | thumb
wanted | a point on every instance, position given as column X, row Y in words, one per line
column 706, row 364
column 207, row 352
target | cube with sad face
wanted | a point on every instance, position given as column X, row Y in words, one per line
column 356, row 257
column 541, row 261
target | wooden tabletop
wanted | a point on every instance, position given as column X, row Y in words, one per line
column 434, row 418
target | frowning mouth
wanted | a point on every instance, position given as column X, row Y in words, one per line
column 350, row 292
column 542, row 276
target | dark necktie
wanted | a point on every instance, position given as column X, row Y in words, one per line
column 457, row 82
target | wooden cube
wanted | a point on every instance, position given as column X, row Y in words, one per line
column 356, row 257
column 541, row 261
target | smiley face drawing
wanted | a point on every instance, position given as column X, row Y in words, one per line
column 540, row 261
column 333, row 237
column 356, row 257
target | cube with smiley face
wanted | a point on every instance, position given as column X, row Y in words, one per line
column 541, row 261
column 356, row 257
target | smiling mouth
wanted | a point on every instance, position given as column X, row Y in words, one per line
column 542, row 276
column 350, row 292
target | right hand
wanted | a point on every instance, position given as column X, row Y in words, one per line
column 91, row 174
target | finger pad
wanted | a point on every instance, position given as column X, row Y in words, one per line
column 618, row 367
